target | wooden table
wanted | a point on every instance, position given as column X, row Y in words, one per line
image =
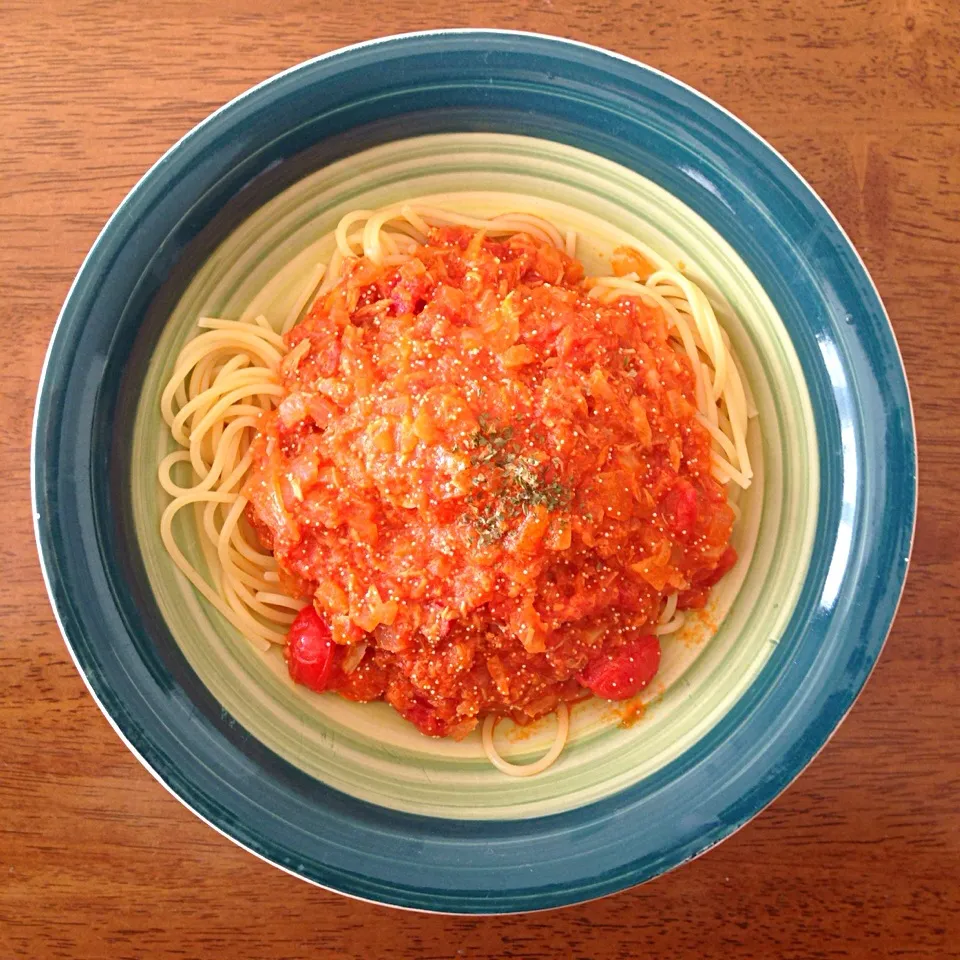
column 860, row 858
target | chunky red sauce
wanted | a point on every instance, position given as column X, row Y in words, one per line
column 486, row 482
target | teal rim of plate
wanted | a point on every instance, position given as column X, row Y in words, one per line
column 367, row 750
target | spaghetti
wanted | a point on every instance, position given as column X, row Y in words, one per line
column 254, row 408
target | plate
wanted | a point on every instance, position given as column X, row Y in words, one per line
column 341, row 795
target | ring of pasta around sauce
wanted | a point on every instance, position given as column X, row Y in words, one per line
column 417, row 451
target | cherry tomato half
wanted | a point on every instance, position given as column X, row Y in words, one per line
column 726, row 562
column 682, row 504
column 309, row 650
column 623, row 672
column 426, row 720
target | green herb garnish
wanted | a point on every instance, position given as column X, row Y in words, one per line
column 515, row 484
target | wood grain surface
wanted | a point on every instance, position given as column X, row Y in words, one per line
column 860, row 858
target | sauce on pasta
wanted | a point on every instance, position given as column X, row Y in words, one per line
column 488, row 482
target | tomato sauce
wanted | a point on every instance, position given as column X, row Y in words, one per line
column 485, row 481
